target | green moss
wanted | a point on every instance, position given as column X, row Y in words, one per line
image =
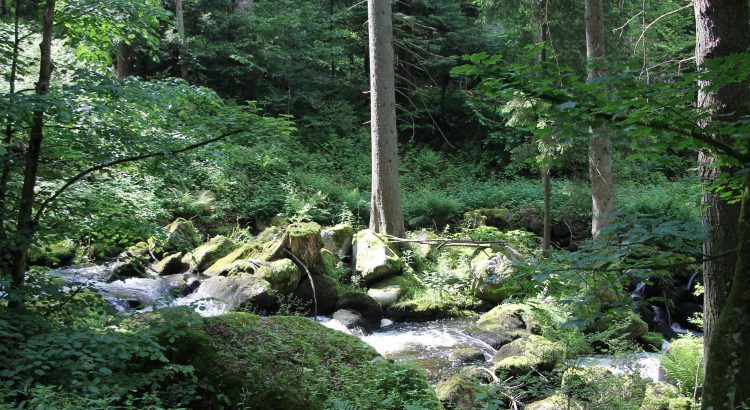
column 327, row 264
column 53, row 254
column 680, row 403
column 658, row 396
column 600, row 388
column 181, row 235
column 542, row 354
column 303, row 229
column 283, row 275
column 515, row 365
column 207, row 254
column 265, row 247
column 652, row 341
column 624, row 323
column 458, row 391
column 279, row 362
column 554, row 403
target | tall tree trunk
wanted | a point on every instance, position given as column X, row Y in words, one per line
column 727, row 381
column 600, row 157
column 179, row 14
column 124, row 65
column 721, row 28
column 25, row 227
column 386, row 215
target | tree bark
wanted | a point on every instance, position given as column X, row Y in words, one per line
column 243, row 6
column 727, row 381
column 600, row 157
column 9, row 134
column 386, row 215
column 124, row 65
column 179, row 14
column 547, row 237
column 25, row 228
column 721, row 30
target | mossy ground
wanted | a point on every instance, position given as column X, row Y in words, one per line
column 287, row 362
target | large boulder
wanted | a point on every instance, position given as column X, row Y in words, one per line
column 389, row 291
column 240, row 292
column 267, row 246
column 207, row 254
column 467, row 355
column 181, row 235
column 458, row 391
column 555, row 403
column 368, row 307
column 598, row 388
column 283, row 275
column 241, row 360
column 534, row 351
column 326, row 294
column 170, row 264
column 623, row 323
column 492, row 275
column 131, row 263
column 352, row 320
column 338, row 239
column 505, row 323
column 53, row 254
column 374, row 260
column 303, row 240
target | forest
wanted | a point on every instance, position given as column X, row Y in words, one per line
column 375, row 204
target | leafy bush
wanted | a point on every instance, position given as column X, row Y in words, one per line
column 683, row 363
column 430, row 208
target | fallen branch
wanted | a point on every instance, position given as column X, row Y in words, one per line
column 312, row 283
column 120, row 161
column 440, row 242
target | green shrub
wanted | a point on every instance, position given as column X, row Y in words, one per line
column 683, row 364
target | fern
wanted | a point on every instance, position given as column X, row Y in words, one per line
column 683, row 364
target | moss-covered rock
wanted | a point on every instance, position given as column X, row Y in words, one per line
column 325, row 291
column 303, row 240
column 492, row 275
column 181, row 235
column 240, row 292
column 505, row 323
column 352, row 320
column 53, row 254
column 338, row 239
column 624, row 323
column 368, row 307
column 131, row 263
column 425, row 308
column 326, row 264
column 267, row 246
column 283, row 275
column 458, row 391
column 658, row 396
column 421, row 250
column 555, row 403
column 540, row 354
column 374, row 260
column 207, row 254
column 680, row 403
column 246, row 361
column 652, row 341
column 467, row 355
column 598, row 387
column 389, row 291
column 170, row 264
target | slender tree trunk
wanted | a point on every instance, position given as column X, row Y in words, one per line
column 244, row 6
column 600, row 157
column 124, row 65
column 721, row 30
column 386, row 214
column 9, row 133
column 547, row 237
column 25, row 228
column 179, row 13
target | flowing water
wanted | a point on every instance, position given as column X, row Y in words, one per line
column 428, row 344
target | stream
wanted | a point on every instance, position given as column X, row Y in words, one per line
column 428, row 344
